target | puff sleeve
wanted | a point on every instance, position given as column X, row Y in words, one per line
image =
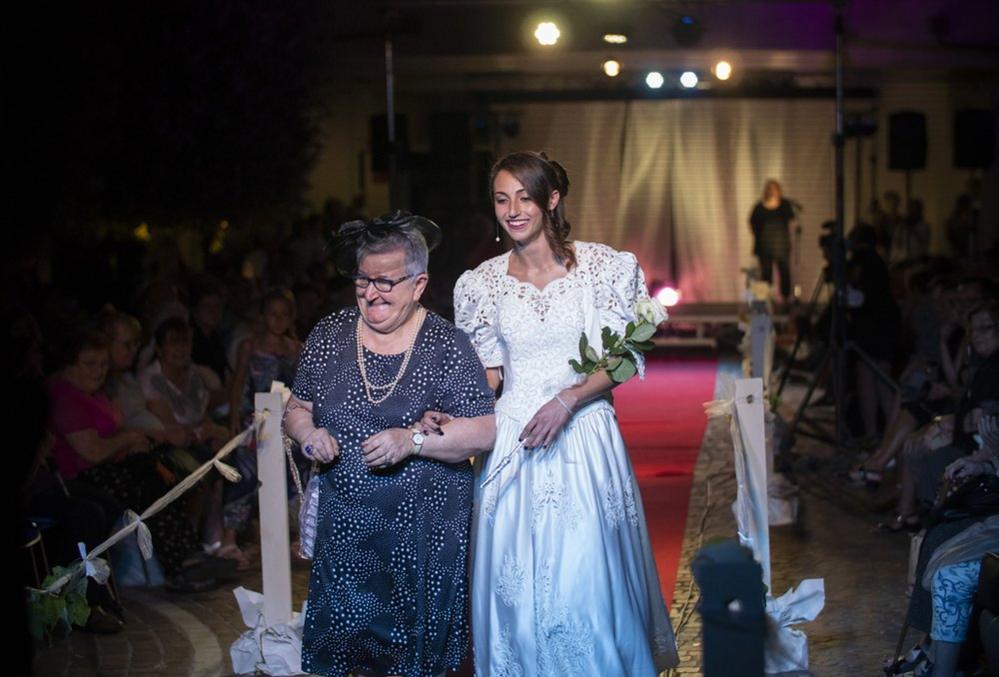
column 475, row 314
column 623, row 285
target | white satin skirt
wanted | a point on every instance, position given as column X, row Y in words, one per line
column 564, row 582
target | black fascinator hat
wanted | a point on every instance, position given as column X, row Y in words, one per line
column 351, row 236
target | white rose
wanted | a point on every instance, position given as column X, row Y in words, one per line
column 651, row 310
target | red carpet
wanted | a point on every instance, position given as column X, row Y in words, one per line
column 663, row 423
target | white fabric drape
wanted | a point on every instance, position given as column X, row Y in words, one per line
column 675, row 180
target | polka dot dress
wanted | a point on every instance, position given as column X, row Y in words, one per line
column 389, row 587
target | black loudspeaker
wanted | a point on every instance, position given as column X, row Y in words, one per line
column 974, row 138
column 906, row 140
column 733, row 618
column 380, row 144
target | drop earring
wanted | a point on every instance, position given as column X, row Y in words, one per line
column 496, row 225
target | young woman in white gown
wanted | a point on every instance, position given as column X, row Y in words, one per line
column 564, row 582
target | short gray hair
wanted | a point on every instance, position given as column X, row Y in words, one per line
column 409, row 240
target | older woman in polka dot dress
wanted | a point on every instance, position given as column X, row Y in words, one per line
column 388, row 593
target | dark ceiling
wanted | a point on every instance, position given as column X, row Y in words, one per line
column 482, row 38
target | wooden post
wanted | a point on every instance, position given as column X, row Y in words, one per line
column 275, row 548
column 760, row 328
column 751, row 471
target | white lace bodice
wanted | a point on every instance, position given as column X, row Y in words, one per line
column 533, row 333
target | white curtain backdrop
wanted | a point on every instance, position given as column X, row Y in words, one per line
column 674, row 181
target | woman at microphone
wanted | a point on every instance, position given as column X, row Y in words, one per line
column 771, row 222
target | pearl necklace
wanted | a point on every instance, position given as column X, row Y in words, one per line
column 370, row 387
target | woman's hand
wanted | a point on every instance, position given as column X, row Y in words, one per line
column 319, row 445
column 388, row 447
column 546, row 424
column 432, row 422
column 988, row 430
column 964, row 468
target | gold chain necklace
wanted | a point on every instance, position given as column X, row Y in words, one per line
column 370, row 387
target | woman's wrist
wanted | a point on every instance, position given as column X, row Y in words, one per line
column 568, row 399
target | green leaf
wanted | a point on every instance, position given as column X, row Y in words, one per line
column 643, row 332
column 583, row 345
column 624, row 371
column 591, row 354
column 630, row 328
column 608, row 337
column 614, row 362
column 51, row 610
column 577, row 367
column 644, row 346
column 77, row 609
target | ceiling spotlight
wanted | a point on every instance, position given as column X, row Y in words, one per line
column 615, row 38
column 654, row 80
column 688, row 79
column 612, row 68
column 723, row 70
column 547, row 33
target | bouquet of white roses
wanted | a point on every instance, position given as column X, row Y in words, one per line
column 618, row 358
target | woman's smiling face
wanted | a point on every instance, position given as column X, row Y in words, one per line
column 516, row 211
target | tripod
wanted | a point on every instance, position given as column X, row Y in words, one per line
column 840, row 347
column 820, row 284
column 838, row 353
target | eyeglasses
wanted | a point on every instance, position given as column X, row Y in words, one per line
column 382, row 284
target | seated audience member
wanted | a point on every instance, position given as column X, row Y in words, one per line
column 931, row 449
column 66, row 519
column 929, row 382
column 949, row 562
column 92, row 448
column 181, row 393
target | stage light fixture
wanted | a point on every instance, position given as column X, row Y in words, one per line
column 612, row 68
column 547, row 33
column 654, row 80
column 722, row 70
column 688, row 79
column 668, row 296
column 615, row 38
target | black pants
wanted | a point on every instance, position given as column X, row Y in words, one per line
column 767, row 262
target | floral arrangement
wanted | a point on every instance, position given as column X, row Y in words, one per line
column 619, row 352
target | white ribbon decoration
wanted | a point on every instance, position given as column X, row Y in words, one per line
column 787, row 647
column 273, row 651
column 227, row 471
column 143, row 535
column 96, row 569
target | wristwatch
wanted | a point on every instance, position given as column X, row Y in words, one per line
column 418, row 440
